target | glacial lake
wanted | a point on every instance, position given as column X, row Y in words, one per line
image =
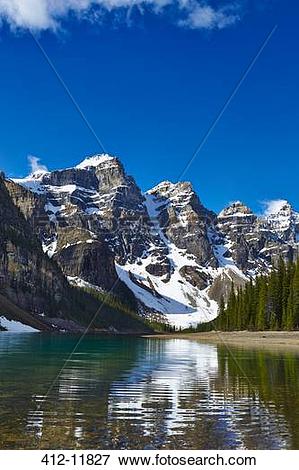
column 140, row 393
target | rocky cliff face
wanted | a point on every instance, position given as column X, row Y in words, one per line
column 34, row 289
column 256, row 243
column 184, row 220
column 28, row 278
column 173, row 254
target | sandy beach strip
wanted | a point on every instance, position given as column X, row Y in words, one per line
column 247, row 339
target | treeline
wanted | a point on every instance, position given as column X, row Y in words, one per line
column 269, row 303
column 160, row 327
column 121, row 314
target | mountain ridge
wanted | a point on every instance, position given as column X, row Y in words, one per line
column 176, row 256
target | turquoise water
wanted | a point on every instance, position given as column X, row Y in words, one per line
column 138, row 393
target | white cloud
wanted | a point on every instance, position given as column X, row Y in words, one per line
column 35, row 165
column 206, row 17
column 39, row 15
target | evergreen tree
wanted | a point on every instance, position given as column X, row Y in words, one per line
column 295, row 287
column 287, row 281
column 269, row 302
column 262, row 305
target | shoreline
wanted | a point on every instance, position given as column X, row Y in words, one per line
column 246, row 339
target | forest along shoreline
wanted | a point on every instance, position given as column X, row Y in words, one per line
column 277, row 340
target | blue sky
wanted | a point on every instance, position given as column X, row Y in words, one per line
column 151, row 80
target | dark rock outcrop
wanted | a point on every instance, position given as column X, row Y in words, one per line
column 92, row 262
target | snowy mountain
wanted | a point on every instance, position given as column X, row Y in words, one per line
column 282, row 219
column 174, row 255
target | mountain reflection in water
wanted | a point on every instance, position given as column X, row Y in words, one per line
column 135, row 393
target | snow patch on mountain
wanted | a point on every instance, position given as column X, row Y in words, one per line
column 13, row 326
column 78, row 282
column 32, row 182
column 181, row 303
column 50, row 247
column 94, row 161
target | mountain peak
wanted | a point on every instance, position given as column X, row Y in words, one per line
column 163, row 186
column 278, row 206
column 95, row 160
column 38, row 174
column 168, row 187
column 235, row 209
